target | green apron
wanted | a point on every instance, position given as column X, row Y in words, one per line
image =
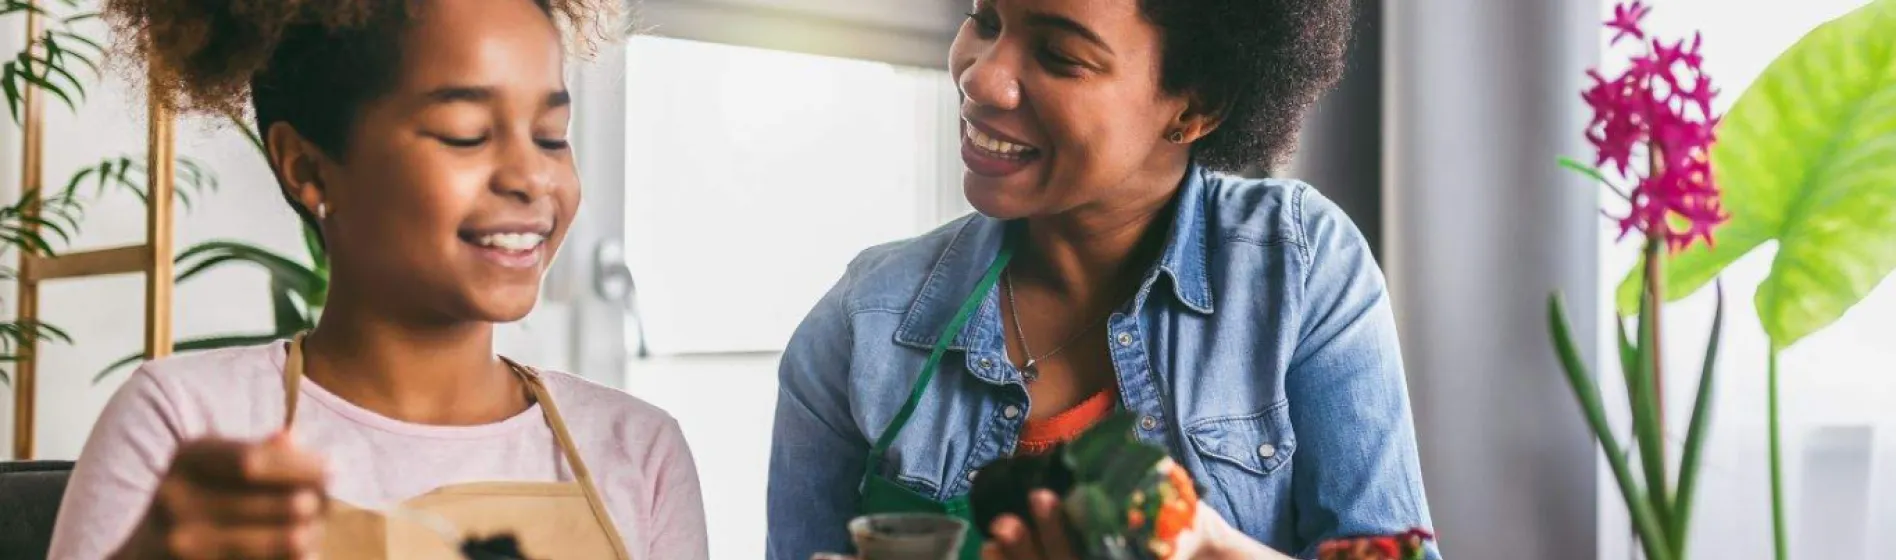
column 881, row 495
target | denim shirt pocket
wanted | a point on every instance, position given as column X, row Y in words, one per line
column 1242, row 457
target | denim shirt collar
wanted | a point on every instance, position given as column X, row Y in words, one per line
column 974, row 248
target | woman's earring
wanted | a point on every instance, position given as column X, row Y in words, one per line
column 1176, row 137
column 322, row 211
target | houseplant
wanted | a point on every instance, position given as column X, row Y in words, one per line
column 1653, row 128
column 57, row 63
column 1806, row 158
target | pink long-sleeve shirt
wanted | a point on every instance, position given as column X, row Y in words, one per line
column 635, row 451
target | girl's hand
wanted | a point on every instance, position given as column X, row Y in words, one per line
column 1209, row 538
column 228, row 499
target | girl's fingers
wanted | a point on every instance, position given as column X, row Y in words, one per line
column 209, row 540
column 261, row 507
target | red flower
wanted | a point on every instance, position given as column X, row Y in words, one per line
column 1662, row 103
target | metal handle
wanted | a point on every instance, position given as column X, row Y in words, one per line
column 612, row 281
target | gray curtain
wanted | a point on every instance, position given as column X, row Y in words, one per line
column 1479, row 225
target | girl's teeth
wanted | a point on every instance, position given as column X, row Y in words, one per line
column 512, row 241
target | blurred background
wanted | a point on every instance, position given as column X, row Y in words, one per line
column 738, row 153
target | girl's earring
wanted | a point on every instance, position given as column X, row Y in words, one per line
column 1176, row 137
column 322, row 211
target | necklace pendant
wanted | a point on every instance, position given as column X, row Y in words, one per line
column 1030, row 371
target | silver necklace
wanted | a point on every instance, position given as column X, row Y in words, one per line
column 1031, row 370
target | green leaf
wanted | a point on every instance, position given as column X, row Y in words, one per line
column 294, row 275
column 26, row 73
column 10, row 7
column 283, row 308
column 256, row 140
column 1645, row 521
column 1644, row 393
column 9, row 83
column 1807, row 158
column 193, row 345
column 1695, row 435
column 1592, row 173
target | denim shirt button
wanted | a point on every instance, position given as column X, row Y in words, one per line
column 1149, row 423
column 987, row 363
column 1125, row 339
column 1011, row 412
column 970, row 476
column 1267, row 451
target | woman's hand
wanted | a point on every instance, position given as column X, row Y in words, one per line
column 228, row 499
column 1209, row 538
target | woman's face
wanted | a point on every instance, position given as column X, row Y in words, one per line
column 458, row 186
column 1062, row 105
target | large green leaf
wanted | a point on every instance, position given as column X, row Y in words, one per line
column 1807, row 157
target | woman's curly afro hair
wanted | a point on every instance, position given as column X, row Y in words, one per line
column 309, row 63
column 1263, row 62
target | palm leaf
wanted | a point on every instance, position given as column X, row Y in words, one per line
column 10, row 7
column 9, row 83
column 294, row 275
column 283, row 308
column 23, row 64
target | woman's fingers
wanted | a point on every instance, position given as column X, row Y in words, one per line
column 1014, row 539
column 1050, row 525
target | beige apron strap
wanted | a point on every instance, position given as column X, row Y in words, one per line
column 571, row 452
column 292, row 378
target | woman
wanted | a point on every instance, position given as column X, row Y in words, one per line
column 1113, row 267
column 427, row 142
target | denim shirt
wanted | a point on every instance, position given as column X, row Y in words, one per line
column 1260, row 350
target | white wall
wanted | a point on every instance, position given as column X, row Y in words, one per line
column 105, row 316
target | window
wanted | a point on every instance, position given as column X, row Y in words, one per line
column 752, row 177
column 1839, row 429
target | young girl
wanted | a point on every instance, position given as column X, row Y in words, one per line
column 426, row 141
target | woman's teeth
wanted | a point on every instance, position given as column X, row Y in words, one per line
column 516, row 242
column 995, row 145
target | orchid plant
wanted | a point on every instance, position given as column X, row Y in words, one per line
column 1806, row 158
column 1653, row 128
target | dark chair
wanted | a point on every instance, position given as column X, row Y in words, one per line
column 29, row 502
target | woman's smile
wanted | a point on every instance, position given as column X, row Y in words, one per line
column 993, row 154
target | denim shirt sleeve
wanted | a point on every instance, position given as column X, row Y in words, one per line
column 816, row 451
column 1357, row 472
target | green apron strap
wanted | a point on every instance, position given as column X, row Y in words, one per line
column 942, row 342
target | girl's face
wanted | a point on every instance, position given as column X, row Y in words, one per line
column 458, row 186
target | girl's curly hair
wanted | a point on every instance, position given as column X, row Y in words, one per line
column 309, row 63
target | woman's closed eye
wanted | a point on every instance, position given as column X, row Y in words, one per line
column 1060, row 63
column 554, row 144
column 986, row 24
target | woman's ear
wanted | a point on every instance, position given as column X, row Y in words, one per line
column 1197, row 120
column 297, row 162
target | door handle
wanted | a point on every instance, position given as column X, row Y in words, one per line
column 612, row 281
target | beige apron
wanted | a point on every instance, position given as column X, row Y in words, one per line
column 551, row 520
